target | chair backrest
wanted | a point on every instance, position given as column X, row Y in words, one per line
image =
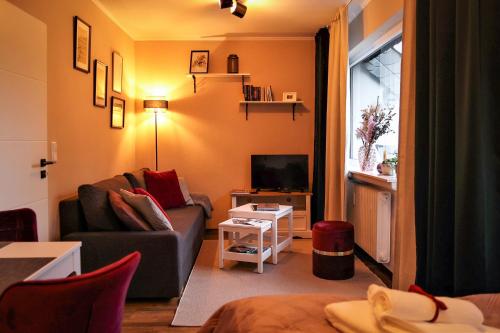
column 18, row 225
column 89, row 303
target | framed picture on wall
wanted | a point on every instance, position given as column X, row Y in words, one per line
column 117, row 72
column 100, row 83
column 199, row 61
column 81, row 45
column 117, row 112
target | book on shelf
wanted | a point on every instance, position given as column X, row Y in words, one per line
column 268, row 207
column 254, row 93
column 246, row 249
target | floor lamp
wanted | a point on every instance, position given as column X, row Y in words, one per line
column 156, row 106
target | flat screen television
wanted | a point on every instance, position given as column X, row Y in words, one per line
column 280, row 172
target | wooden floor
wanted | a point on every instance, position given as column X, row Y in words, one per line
column 152, row 317
column 155, row 316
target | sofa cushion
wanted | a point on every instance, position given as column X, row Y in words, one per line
column 127, row 214
column 151, row 211
column 136, row 178
column 95, row 204
column 164, row 186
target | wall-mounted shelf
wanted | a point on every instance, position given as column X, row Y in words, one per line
column 219, row 75
column 292, row 103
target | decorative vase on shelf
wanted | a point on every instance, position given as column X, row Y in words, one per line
column 367, row 157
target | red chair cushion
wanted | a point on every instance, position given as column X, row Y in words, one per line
column 18, row 225
column 164, row 186
column 89, row 303
column 333, row 236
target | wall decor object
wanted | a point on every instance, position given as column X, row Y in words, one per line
column 81, row 45
column 117, row 112
column 199, row 61
column 232, row 63
column 100, row 83
column 289, row 96
column 238, row 9
column 117, row 62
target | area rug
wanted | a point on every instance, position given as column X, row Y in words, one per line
column 209, row 287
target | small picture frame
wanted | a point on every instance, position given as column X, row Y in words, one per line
column 290, row 96
column 100, row 83
column 82, row 33
column 199, row 61
column 117, row 112
column 117, row 63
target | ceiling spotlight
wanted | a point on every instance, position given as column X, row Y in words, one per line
column 225, row 3
column 238, row 9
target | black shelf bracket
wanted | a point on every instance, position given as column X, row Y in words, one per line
column 243, row 84
column 194, row 83
column 294, row 105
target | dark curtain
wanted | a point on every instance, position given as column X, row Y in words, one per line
column 321, row 75
column 457, row 167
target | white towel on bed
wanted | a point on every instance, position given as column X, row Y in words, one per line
column 393, row 311
column 396, row 307
column 358, row 317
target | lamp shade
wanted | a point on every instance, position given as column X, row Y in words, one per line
column 225, row 3
column 238, row 9
column 155, row 104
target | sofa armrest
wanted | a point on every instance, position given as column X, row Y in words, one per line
column 158, row 272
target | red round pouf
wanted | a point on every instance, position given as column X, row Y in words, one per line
column 333, row 250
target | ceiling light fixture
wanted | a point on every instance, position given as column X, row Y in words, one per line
column 225, row 3
column 238, row 9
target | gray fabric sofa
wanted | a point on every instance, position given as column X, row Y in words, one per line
column 167, row 256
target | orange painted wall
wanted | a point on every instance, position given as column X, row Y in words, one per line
column 205, row 136
column 88, row 149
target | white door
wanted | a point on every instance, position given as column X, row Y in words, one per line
column 23, row 113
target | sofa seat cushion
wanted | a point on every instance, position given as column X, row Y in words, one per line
column 189, row 223
column 96, row 207
column 164, row 186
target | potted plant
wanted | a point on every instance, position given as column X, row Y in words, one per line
column 375, row 122
column 389, row 165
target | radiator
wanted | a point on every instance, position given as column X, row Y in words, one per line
column 369, row 210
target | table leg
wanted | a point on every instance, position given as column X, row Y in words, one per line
column 274, row 240
column 221, row 247
column 290, row 229
column 260, row 245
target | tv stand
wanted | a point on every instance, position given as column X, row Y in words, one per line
column 300, row 201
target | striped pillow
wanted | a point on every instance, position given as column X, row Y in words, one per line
column 153, row 214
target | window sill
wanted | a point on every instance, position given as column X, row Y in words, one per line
column 374, row 178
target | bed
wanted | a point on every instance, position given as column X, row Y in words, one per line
column 303, row 313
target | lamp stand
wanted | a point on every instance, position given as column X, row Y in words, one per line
column 156, row 139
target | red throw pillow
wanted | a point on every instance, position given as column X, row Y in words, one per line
column 142, row 191
column 164, row 186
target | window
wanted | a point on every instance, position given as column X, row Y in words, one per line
column 377, row 77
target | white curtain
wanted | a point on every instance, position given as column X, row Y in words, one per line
column 405, row 250
column 335, row 197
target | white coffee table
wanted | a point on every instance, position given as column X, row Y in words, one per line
column 277, row 246
column 235, row 231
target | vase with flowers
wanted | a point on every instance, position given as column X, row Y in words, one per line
column 375, row 122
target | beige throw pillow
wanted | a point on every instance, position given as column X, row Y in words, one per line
column 185, row 191
column 153, row 214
